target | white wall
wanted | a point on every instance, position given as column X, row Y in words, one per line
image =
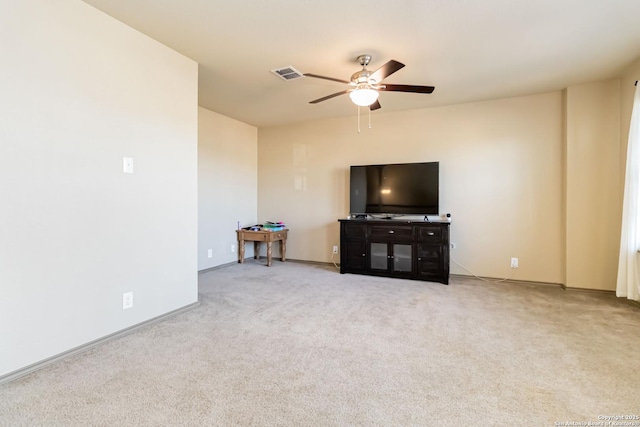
column 500, row 178
column 79, row 91
column 227, row 185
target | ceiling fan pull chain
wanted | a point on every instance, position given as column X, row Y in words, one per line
column 369, row 118
column 358, row 119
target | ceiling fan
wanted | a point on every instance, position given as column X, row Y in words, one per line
column 366, row 84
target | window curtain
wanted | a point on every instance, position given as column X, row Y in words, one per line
column 628, row 265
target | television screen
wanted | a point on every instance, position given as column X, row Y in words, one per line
column 395, row 189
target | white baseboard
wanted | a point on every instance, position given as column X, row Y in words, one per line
column 82, row 348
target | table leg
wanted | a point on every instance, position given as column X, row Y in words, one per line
column 256, row 250
column 241, row 251
column 269, row 249
column 283, row 249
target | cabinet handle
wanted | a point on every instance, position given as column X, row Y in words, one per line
column 362, row 254
column 430, row 233
column 391, row 231
column 419, row 259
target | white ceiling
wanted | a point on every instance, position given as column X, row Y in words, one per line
column 468, row 49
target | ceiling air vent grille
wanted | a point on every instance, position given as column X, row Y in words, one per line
column 287, row 73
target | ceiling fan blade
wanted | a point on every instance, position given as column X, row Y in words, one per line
column 375, row 105
column 386, row 70
column 333, row 95
column 407, row 88
column 325, row 78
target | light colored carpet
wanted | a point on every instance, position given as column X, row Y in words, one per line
column 301, row 345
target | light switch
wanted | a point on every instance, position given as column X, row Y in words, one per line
column 127, row 164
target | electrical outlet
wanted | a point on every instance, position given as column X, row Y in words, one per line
column 233, row 248
column 127, row 300
column 210, row 253
column 514, row 262
column 335, row 250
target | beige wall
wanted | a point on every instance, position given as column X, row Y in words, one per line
column 80, row 91
column 227, row 185
column 500, row 177
column 630, row 75
column 593, row 182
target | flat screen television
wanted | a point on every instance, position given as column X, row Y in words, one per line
column 395, row 189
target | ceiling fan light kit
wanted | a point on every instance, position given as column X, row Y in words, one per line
column 364, row 96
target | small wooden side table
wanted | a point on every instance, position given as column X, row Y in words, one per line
column 262, row 236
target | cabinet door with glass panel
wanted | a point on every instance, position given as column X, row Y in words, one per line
column 391, row 257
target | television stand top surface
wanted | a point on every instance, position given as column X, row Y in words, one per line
column 414, row 219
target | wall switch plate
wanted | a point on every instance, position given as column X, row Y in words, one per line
column 335, row 250
column 127, row 164
column 127, row 300
column 210, row 253
column 233, row 248
column 514, row 262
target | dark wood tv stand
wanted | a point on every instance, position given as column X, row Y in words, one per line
column 417, row 250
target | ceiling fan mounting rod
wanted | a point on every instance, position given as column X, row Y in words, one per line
column 362, row 76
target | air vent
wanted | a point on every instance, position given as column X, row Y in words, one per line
column 287, row 73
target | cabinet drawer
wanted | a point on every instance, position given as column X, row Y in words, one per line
column 278, row 235
column 354, row 231
column 386, row 232
column 430, row 234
